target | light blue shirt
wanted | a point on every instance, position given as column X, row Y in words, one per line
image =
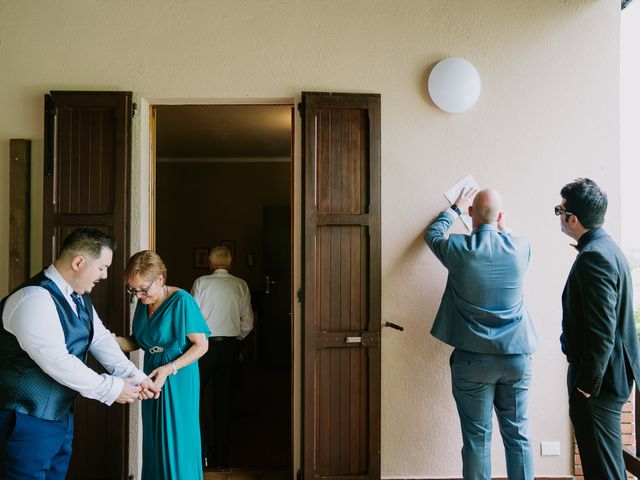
column 482, row 308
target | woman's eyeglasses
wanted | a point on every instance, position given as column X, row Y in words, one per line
column 142, row 292
column 559, row 210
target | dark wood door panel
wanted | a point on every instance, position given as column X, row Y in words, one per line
column 343, row 257
column 341, row 337
column 343, row 401
column 86, row 183
column 86, row 180
column 342, row 160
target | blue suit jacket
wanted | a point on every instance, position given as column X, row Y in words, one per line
column 482, row 308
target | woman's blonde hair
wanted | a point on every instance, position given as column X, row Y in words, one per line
column 146, row 264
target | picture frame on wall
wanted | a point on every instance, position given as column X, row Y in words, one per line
column 200, row 257
column 231, row 245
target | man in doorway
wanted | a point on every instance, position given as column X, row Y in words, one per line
column 598, row 331
column 49, row 326
column 225, row 302
column 483, row 316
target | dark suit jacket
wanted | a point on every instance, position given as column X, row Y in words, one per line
column 598, row 328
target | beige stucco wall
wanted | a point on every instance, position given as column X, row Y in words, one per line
column 548, row 112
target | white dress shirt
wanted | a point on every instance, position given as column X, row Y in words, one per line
column 31, row 316
column 225, row 303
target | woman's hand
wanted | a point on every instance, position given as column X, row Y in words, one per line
column 149, row 390
column 160, row 374
column 199, row 346
column 117, row 339
column 126, row 344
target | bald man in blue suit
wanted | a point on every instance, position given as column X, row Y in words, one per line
column 483, row 316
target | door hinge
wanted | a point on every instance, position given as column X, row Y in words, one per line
column 300, row 109
column 134, row 109
column 300, row 295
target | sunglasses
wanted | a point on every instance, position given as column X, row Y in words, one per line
column 558, row 210
column 138, row 291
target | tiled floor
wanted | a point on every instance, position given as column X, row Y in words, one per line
column 245, row 474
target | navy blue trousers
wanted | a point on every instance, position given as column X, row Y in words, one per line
column 596, row 424
column 219, row 365
column 31, row 448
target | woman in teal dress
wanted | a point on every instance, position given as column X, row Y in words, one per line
column 169, row 327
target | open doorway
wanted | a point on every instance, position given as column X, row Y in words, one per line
column 223, row 176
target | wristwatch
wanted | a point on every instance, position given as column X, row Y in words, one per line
column 455, row 208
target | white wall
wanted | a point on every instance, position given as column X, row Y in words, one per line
column 629, row 121
column 548, row 113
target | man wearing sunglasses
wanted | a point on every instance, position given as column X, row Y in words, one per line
column 598, row 331
column 484, row 317
column 48, row 328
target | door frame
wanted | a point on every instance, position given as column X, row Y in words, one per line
column 143, row 237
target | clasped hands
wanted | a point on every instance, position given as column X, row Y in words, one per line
column 145, row 390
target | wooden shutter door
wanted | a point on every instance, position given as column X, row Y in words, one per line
column 86, row 183
column 341, row 338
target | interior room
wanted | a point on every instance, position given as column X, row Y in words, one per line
column 223, row 177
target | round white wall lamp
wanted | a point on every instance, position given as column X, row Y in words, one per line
column 454, row 84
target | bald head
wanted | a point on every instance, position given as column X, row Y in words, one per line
column 487, row 207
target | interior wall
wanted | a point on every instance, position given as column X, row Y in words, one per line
column 548, row 112
column 204, row 204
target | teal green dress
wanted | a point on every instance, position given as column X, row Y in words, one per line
column 171, row 448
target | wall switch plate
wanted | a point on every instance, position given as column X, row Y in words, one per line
column 549, row 448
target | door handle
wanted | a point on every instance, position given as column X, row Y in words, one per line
column 395, row 326
column 267, row 284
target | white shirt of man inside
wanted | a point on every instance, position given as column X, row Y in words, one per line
column 224, row 299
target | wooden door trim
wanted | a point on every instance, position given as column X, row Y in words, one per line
column 20, row 208
column 152, row 177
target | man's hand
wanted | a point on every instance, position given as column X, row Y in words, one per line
column 586, row 395
column 502, row 226
column 148, row 390
column 129, row 392
column 465, row 199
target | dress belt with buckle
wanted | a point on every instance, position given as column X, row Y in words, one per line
column 156, row 349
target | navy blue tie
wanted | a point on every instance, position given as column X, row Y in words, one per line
column 81, row 310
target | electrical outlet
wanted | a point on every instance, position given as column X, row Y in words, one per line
column 548, row 449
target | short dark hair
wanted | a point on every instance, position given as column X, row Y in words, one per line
column 87, row 241
column 585, row 200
